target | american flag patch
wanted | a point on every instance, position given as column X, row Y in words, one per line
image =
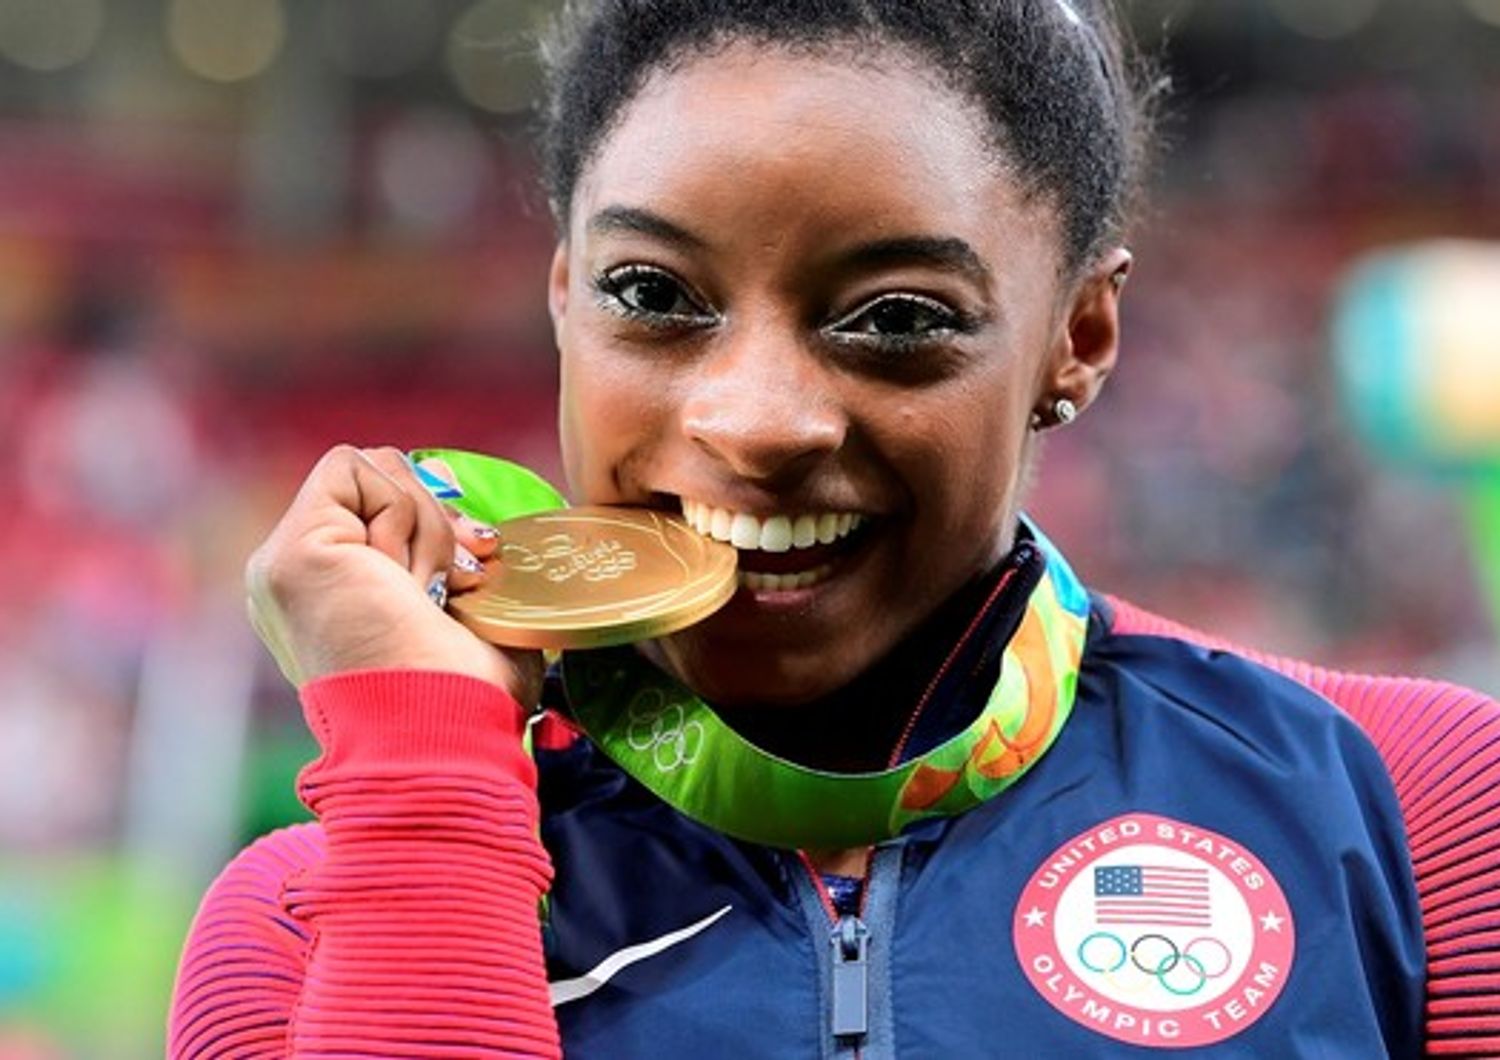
column 1152, row 894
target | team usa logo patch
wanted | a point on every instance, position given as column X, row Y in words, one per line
column 1156, row 932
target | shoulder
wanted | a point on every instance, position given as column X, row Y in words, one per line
column 242, row 964
column 1439, row 745
column 1412, row 723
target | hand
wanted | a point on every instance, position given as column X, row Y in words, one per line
column 353, row 575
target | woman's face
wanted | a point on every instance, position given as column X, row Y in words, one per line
column 800, row 302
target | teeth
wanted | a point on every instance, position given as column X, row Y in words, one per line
column 775, row 533
column 804, row 531
column 783, row 582
column 719, row 522
column 744, row 532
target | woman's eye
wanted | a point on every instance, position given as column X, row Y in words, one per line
column 636, row 290
column 902, row 316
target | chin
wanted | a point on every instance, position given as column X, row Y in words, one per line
column 739, row 674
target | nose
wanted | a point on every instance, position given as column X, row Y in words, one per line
column 765, row 407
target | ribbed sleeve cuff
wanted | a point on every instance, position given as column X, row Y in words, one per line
column 400, row 720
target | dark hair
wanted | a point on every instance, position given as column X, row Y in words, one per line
column 1069, row 105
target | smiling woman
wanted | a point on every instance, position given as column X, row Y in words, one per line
column 920, row 315
column 825, row 272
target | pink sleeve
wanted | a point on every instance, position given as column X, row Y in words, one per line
column 406, row 925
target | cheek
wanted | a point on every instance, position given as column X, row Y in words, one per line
column 961, row 464
column 608, row 410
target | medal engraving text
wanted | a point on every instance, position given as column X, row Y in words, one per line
column 559, row 558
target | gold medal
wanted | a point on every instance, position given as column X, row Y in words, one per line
column 596, row 576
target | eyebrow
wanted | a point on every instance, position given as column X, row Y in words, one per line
column 949, row 254
column 631, row 220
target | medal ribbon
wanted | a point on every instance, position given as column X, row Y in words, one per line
column 673, row 743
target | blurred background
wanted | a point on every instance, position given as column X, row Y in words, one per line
column 236, row 232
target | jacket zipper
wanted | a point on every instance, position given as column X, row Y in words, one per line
column 851, row 980
column 850, row 936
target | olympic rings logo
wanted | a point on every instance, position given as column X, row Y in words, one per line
column 1182, row 971
column 662, row 730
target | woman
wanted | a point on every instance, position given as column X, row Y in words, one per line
column 835, row 265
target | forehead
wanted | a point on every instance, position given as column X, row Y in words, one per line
column 831, row 133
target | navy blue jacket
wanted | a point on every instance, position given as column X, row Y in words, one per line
column 1213, row 856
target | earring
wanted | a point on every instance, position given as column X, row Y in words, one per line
column 1063, row 412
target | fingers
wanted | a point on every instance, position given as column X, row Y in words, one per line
column 479, row 539
column 395, row 511
column 347, row 577
column 402, row 519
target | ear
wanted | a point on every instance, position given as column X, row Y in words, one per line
column 557, row 289
column 1089, row 343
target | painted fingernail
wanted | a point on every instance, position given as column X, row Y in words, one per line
column 468, row 564
column 440, row 488
column 437, row 590
column 483, row 532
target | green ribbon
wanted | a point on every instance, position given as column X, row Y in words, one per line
column 493, row 490
column 673, row 743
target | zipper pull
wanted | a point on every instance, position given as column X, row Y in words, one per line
column 851, row 943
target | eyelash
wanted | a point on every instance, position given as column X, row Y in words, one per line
column 611, row 284
column 947, row 322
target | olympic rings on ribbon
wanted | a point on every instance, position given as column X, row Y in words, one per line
column 1112, row 937
column 662, row 729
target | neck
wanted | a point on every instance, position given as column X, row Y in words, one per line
column 856, row 728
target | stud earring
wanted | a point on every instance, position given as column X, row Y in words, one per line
column 1063, row 412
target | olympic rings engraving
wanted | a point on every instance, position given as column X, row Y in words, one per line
column 662, row 729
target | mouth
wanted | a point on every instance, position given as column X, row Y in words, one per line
column 780, row 552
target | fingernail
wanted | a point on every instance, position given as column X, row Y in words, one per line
column 442, row 489
column 437, row 590
column 483, row 532
column 468, row 564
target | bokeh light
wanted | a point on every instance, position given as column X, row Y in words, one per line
column 493, row 56
column 1484, row 10
column 226, row 40
column 430, row 167
column 46, row 35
